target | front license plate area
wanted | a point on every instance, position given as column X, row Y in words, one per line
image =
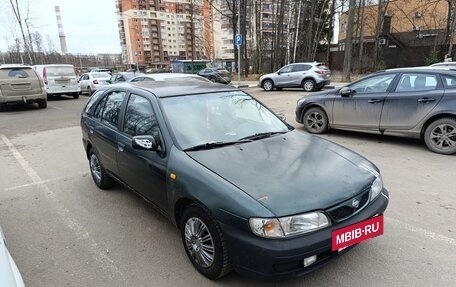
column 356, row 233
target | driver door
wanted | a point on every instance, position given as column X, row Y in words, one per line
column 284, row 76
column 362, row 110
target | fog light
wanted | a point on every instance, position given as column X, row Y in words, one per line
column 310, row 260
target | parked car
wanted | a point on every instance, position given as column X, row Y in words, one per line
column 168, row 77
column 89, row 82
column 417, row 103
column 216, row 75
column 93, row 70
column 59, row 79
column 21, row 84
column 123, row 77
column 9, row 273
column 247, row 191
column 309, row 76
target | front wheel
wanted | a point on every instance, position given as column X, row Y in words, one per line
column 308, row 85
column 89, row 91
column 315, row 121
column 268, row 85
column 440, row 136
column 204, row 242
column 212, row 79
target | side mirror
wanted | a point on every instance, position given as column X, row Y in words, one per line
column 144, row 143
column 346, row 92
column 282, row 117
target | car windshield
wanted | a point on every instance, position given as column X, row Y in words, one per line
column 224, row 117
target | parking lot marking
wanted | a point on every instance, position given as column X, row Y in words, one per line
column 45, row 181
column 423, row 232
column 98, row 253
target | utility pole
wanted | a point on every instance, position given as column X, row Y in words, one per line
column 348, row 41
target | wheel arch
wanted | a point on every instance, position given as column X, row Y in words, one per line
column 434, row 118
column 265, row 79
column 308, row 78
column 180, row 206
column 88, row 148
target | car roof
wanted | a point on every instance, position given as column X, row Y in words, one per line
column 163, row 89
column 446, row 70
column 9, row 66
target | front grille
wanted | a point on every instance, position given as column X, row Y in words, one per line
column 349, row 208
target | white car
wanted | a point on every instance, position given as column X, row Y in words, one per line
column 90, row 82
column 9, row 273
column 59, row 79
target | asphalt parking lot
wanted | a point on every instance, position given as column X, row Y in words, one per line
column 63, row 231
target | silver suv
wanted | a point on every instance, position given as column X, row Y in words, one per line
column 309, row 76
column 21, row 84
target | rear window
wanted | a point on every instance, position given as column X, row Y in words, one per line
column 101, row 75
column 60, row 71
column 18, row 73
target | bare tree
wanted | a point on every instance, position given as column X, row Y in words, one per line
column 348, row 42
column 17, row 14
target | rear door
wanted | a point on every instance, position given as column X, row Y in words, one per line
column 19, row 82
column 298, row 73
column 415, row 95
column 283, row 76
column 104, row 128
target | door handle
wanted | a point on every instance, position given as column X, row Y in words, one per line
column 120, row 147
column 425, row 100
column 374, row 101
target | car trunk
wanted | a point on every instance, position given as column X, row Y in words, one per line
column 19, row 81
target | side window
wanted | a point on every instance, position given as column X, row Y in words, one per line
column 450, row 82
column 138, row 79
column 120, row 79
column 301, row 68
column 286, row 69
column 98, row 111
column 92, row 101
column 417, row 82
column 111, row 110
column 140, row 117
column 375, row 84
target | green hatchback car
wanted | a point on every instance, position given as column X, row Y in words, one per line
column 246, row 190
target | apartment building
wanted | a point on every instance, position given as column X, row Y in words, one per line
column 155, row 32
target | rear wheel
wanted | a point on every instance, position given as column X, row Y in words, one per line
column 212, row 79
column 89, row 91
column 440, row 136
column 268, row 85
column 99, row 175
column 42, row 104
column 308, row 85
column 315, row 121
column 204, row 242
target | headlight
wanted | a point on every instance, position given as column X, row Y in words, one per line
column 288, row 226
column 377, row 185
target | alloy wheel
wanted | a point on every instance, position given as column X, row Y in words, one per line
column 95, row 167
column 443, row 136
column 199, row 242
column 315, row 121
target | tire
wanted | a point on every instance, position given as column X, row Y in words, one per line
column 212, row 261
column 212, row 79
column 440, row 136
column 75, row 95
column 42, row 104
column 99, row 175
column 267, row 85
column 308, row 85
column 315, row 120
column 89, row 91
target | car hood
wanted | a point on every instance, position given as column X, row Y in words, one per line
column 290, row 173
column 9, row 274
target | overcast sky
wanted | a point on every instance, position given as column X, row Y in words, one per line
column 90, row 26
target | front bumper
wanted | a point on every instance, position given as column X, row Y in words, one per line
column 278, row 259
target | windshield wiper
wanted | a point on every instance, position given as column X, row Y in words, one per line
column 214, row 144
column 261, row 135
